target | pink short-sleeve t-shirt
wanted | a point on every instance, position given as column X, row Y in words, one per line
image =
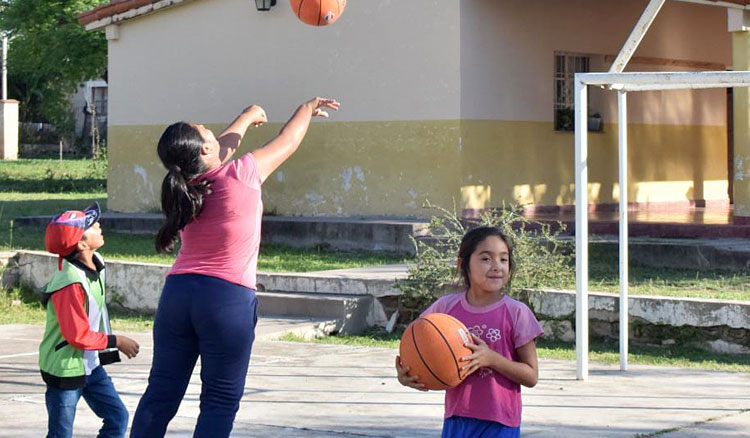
column 505, row 326
column 223, row 241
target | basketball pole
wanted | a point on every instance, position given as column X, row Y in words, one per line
column 582, row 229
column 5, row 66
column 622, row 128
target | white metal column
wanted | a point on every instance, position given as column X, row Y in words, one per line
column 623, row 82
column 639, row 31
column 5, row 67
column 582, row 230
column 622, row 128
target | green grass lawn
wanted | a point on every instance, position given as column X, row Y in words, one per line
column 674, row 282
column 603, row 352
column 274, row 258
column 33, row 175
column 33, row 187
column 30, row 187
column 22, row 306
column 16, row 204
column 45, row 187
column 604, row 275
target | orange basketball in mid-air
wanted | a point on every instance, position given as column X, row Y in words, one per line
column 318, row 12
column 432, row 346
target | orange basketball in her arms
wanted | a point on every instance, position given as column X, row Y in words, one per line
column 318, row 12
column 431, row 346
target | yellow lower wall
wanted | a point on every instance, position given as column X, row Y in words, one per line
column 361, row 168
column 529, row 162
column 741, row 61
column 391, row 168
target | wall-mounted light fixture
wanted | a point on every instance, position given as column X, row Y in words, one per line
column 264, row 5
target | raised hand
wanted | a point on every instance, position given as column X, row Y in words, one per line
column 257, row 115
column 316, row 104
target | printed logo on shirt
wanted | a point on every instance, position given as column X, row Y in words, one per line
column 477, row 330
column 493, row 335
column 484, row 372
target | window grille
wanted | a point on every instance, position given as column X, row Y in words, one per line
column 567, row 65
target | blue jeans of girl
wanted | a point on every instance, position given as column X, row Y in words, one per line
column 198, row 316
column 463, row 427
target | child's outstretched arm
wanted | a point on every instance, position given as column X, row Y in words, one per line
column 524, row 372
column 281, row 147
column 231, row 137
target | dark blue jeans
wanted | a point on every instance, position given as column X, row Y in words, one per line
column 101, row 397
column 464, row 427
column 198, row 316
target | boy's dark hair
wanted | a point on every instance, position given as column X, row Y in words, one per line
column 469, row 244
column 181, row 201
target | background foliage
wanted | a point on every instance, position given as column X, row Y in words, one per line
column 542, row 259
column 49, row 55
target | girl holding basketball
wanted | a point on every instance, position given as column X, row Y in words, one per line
column 488, row 402
column 208, row 305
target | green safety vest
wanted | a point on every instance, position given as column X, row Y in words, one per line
column 63, row 366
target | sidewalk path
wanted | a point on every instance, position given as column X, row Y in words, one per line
column 298, row 390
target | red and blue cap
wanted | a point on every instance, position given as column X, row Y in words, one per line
column 66, row 229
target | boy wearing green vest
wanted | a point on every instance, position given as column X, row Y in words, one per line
column 77, row 339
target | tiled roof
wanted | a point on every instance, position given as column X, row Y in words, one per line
column 118, row 7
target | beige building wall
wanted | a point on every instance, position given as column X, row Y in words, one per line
column 393, row 144
column 678, row 143
column 441, row 100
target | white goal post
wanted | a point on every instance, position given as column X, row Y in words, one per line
column 622, row 83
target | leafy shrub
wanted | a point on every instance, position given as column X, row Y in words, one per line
column 542, row 259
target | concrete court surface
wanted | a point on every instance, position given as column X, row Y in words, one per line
column 308, row 390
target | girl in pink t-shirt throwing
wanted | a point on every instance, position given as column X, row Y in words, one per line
column 488, row 402
column 208, row 305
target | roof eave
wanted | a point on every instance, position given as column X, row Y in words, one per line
column 117, row 12
column 731, row 4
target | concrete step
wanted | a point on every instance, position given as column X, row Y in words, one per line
column 5, row 256
column 730, row 254
column 273, row 327
column 348, row 234
column 8, row 277
column 347, row 314
column 137, row 286
column 665, row 230
column 134, row 223
column 375, row 281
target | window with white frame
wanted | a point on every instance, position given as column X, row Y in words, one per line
column 567, row 65
column 99, row 100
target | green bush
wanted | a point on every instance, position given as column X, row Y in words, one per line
column 542, row 259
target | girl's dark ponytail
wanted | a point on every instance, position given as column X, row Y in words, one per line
column 181, row 200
